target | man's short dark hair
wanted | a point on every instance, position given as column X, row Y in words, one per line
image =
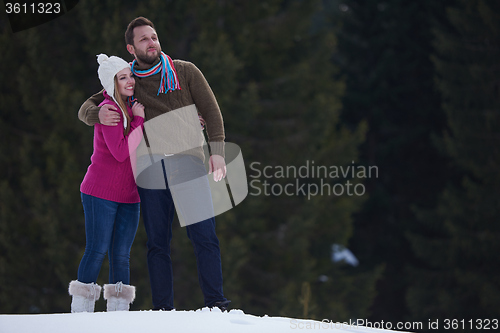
column 137, row 22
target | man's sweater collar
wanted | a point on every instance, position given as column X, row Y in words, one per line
column 145, row 66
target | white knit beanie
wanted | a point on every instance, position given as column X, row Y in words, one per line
column 108, row 68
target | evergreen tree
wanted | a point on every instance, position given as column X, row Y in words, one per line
column 270, row 68
column 458, row 240
column 284, row 111
column 384, row 52
column 41, row 214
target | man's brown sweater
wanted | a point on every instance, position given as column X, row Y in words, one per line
column 195, row 91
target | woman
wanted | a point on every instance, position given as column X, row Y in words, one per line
column 109, row 196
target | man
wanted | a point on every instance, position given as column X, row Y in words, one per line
column 171, row 173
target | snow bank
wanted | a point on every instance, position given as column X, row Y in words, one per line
column 200, row 321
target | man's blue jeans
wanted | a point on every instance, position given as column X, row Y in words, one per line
column 158, row 214
column 109, row 227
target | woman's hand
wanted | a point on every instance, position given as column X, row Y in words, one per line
column 138, row 109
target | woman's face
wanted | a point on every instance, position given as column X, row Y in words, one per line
column 125, row 83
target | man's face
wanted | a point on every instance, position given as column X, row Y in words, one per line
column 146, row 48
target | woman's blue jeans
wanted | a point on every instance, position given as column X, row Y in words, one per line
column 110, row 227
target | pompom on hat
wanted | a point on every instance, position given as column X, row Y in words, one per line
column 108, row 68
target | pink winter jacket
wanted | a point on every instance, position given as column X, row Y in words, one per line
column 110, row 176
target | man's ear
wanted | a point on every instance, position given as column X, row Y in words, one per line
column 130, row 49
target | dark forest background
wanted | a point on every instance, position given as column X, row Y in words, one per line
column 412, row 88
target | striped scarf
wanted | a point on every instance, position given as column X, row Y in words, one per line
column 169, row 80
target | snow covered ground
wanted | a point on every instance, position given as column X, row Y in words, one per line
column 200, row 321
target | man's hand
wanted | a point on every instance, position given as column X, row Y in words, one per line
column 217, row 165
column 108, row 115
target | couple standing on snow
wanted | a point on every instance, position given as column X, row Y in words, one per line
column 151, row 152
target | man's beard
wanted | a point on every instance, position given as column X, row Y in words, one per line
column 148, row 59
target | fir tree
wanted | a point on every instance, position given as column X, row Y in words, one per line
column 458, row 241
column 41, row 213
column 270, row 68
column 384, row 54
column 283, row 111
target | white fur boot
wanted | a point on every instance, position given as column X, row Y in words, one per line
column 84, row 296
column 119, row 296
